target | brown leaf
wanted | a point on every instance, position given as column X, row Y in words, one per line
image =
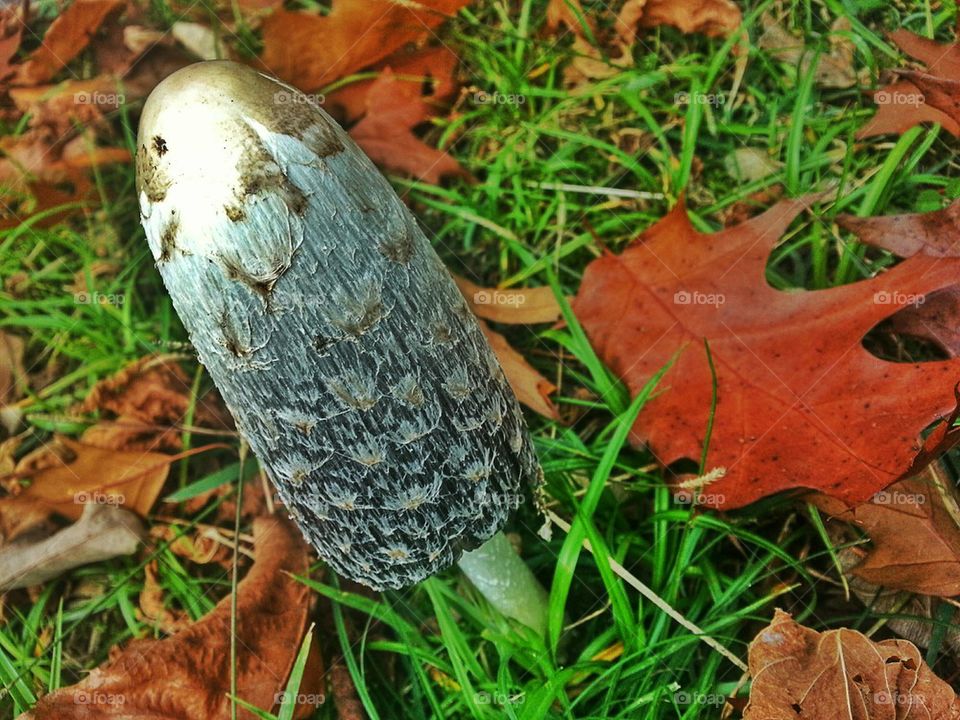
column 801, row 403
column 13, row 377
column 914, row 532
column 187, row 676
column 153, row 609
column 714, row 18
column 147, row 402
column 835, row 69
column 530, row 387
column 514, row 306
column 799, row 672
column 418, row 67
column 355, row 34
column 935, row 317
column 87, row 475
column 101, row 533
column 571, row 14
column 922, row 97
column 385, row 133
column 66, row 38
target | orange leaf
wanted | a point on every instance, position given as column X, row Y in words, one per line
column 187, row 676
column 514, row 306
column 89, row 474
column 394, row 109
column 801, row 403
column 715, row 18
column 310, row 51
column 66, row 38
column 530, row 387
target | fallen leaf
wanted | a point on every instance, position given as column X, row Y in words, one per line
column 571, row 14
column 835, row 69
column 356, row 34
column 11, row 34
column 385, row 133
column 143, row 407
column 199, row 546
column 153, row 609
column 66, row 37
column 430, row 67
column 87, row 474
column 514, row 306
column 530, row 387
column 935, row 317
column 187, row 676
column 914, row 533
column 922, row 97
column 749, row 165
column 13, row 376
column 800, row 402
column 714, row 18
column 799, row 672
column 102, row 532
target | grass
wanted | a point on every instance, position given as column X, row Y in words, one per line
column 536, row 216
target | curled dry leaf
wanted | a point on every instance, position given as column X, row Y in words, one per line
column 714, row 18
column 801, row 402
column 153, row 609
column 799, row 672
column 187, row 676
column 101, row 533
column 144, row 405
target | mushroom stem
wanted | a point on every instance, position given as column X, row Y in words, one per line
column 506, row 582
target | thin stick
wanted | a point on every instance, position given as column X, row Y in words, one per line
column 234, row 580
column 635, row 583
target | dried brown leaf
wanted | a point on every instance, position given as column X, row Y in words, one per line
column 799, row 672
column 187, row 676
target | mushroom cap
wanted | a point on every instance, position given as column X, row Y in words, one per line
column 337, row 338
